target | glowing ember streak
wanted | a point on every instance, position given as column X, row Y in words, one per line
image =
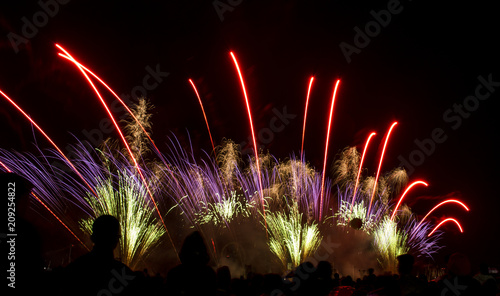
column 45, row 206
column 204, row 115
column 48, row 139
column 403, row 195
column 360, row 167
column 444, row 221
column 305, row 117
column 442, row 203
column 380, row 164
column 253, row 133
column 326, row 149
column 123, row 140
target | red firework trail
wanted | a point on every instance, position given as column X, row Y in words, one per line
column 204, row 115
column 360, row 167
column 444, row 221
column 123, row 139
column 112, row 92
column 403, row 195
column 253, row 134
column 380, row 164
column 326, row 149
column 118, row 98
column 50, row 211
column 305, row 117
column 442, row 203
column 50, row 140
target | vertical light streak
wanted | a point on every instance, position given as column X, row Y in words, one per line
column 204, row 114
column 444, row 221
column 305, row 117
column 404, row 194
column 359, row 169
column 380, row 165
column 326, row 149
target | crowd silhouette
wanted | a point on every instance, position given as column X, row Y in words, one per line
column 99, row 273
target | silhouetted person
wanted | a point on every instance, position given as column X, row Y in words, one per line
column 458, row 278
column 223, row 281
column 97, row 272
column 193, row 276
column 323, row 277
column 20, row 237
column 409, row 285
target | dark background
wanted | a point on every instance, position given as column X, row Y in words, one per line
column 423, row 62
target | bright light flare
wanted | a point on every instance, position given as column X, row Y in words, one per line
column 204, row 114
column 404, row 194
column 326, row 149
column 305, row 117
column 380, row 164
column 444, row 221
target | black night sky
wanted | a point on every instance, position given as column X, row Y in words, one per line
column 420, row 68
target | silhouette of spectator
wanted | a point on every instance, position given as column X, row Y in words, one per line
column 408, row 283
column 323, row 277
column 27, row 259
column 459, row 277
column 193, row 276
column 97, row 272
column 483, row 274
column 223, row 281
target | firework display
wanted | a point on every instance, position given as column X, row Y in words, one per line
column 289, row 204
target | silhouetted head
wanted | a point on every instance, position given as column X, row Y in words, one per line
column 19, row 187
column 324, row 270
column 371, row 271
column 106, row 232
column 194, row 250
column 483, row 268
column 459, row 265
column 405, row 264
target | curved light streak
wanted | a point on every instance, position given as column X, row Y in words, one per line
column 404, row 194
column 305, row 117
column 444, row 221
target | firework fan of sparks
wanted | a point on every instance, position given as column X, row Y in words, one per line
column 289, row 198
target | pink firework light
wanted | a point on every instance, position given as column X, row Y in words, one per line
column 359, row 169
column 404, row 194
column 204, row 115
column 50, row 211
column 253, row 134
column 305, row 117
column 380, row 164
column 50, row 140
column 326, row 149
column 442, row 203
column 444, row 221
column 127, row 146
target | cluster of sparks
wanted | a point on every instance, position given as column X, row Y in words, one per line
column 289, row 198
